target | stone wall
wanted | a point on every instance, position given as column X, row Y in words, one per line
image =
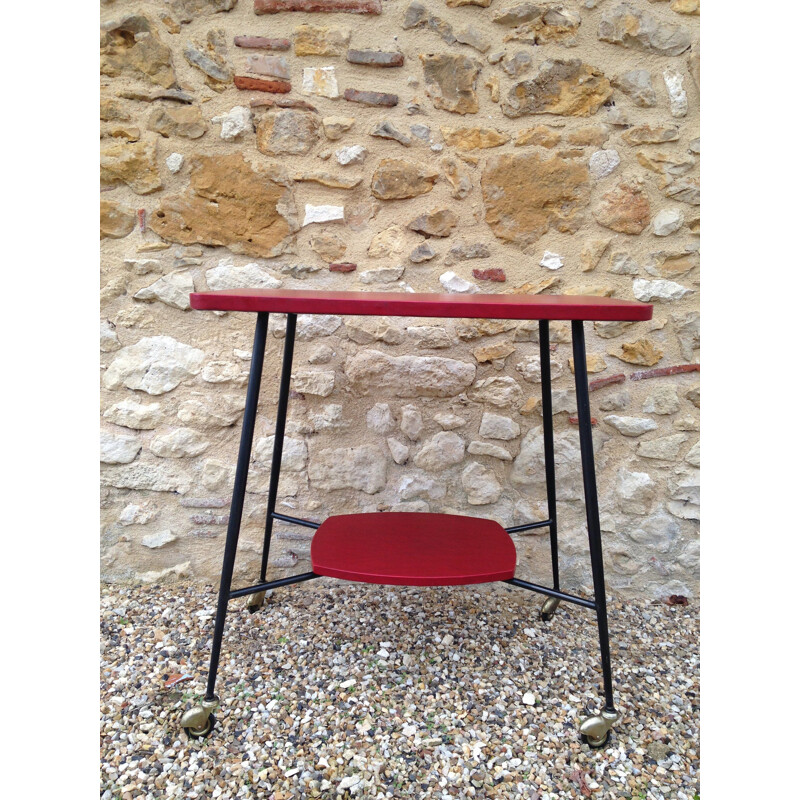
column 459, row 146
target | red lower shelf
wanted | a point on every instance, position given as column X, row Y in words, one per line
column 413, row 549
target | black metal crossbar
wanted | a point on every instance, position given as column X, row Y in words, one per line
column 569, row 598
column 530, row 526
column 306, row 523
column 265, row 587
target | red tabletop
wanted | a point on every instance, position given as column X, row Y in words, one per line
column 412, row 304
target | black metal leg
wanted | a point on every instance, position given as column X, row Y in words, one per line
column 280, row 428
column 237, row 502
column 549, row 453
column 592, row 512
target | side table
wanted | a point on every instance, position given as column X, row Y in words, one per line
column 416, row 549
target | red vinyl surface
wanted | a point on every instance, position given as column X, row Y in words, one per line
column 413, row 549
column 411, row 304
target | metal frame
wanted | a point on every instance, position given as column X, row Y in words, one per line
column 596, row 728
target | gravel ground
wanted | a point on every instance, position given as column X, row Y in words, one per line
column 346, row 690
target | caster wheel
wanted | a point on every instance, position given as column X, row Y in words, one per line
column 549, row 608
column 200, row 733
column 585, row 739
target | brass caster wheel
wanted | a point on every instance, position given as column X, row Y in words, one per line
column 549, row 608
column 255, row 601
column 199, row 721
column 595, row 731
column 200, row 733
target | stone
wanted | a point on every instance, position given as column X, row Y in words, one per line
column 458, row 177
column 408, row 376
column 624, row 208
column 594, row 363
column 150, row 476
column 642, row 351
column 665, row 449
column 179, row 443
column 234, row 123
column 188, row 10
column 155, row 364
column 429, row 336
column 685, row 6
column 398, row 450
column 319, row 384
column 495, row 426
column 382, row 275
column 328, row 179
column 271, row 85
column 480, row 484
column 386, row 130
column 498, row 391
column 380, row 418
column 210, row 59
column 603, row 162
column 666, row 164
column 131, row 163
column 474, row 138
column 667, row 221
column 678, row 102
column 274, row 66
column 623, row 264
column 472, row 37
column 249, row 276
column 356, row 154
column 568, row 88
column 349, row 6
column 466, row 252
column 495, row 274
column 131, row 47
column 638, row 85
column 172, row 289
column 439, row 223
column 375, row 58
column 396, row 179
column 450, row 81
column 457, row 285
column 323, row 214
column 540, row 23
column 262, row 42
column 636, row 492
column 489, row 449
column 459, row 3
column 329, row 246
column 336, row 127
column 387, row 243
column 685, row 494
column 540, row 135
column 693, row 456
column 448, row 421
column 615, row 402
column 551, row 260
column 663, row 400
column 592, row 252
column 635, row 28
column 418, row 485
column 363, row 468
column 228, row 203
column 287, row 132
column 116, row 220
column 313, row 326
column 444, row 449
column 661, row 290
column 531, row 369
column 220, row 372
column 222, row 412
column 422, row 252
column 293, row 457
column 320, row 81
column 155, row 541
column 367, row 330
column 630, row 426
column 346, row 266
column 493, row 352
column 411, row 422
column 526, row 195
column 108, row 337
column 134, row 514
column 184, row 121
column 685, row 190
column 375, row 99
column 528, row 468
column 118, row 449
column 314, row 40
column 518, row 65
column 180, row 571
column 687, row 330
column 647, row 134
column 174, row 162
column 137, row 416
